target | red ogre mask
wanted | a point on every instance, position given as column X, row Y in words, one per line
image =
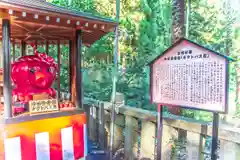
column 34, row 72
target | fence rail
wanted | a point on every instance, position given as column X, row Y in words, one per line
column 135, row 131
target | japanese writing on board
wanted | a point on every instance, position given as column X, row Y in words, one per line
column 190, row 76
column 42, row 106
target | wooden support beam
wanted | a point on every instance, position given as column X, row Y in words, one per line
column 47, row 47
column 40, row 28
column 7, row 68
column 70, row 68
column 23, row 48
column 78, row 63
column 23, row 27
column 14, row 51
column 59, row 69
column 73, row 69
column 36, row 44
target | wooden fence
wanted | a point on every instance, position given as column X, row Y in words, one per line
column 135, row 131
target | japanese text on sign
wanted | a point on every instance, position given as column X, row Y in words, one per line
column 42, row 106
column 190, row 76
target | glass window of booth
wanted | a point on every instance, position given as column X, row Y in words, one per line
column 40, row 79
column 45, row 77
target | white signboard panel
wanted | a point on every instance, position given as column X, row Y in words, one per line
column 190, row 76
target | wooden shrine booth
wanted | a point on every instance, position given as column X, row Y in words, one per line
column 50, row 135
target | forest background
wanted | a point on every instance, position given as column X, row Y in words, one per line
column 145, row 32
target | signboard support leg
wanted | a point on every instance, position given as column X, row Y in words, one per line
column 214, row 152
column 159, row 131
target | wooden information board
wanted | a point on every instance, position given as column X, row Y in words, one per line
column 43, row 106
column 192, row 76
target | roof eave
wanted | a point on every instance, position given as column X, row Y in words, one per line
column 45, row 10
column 87, row 15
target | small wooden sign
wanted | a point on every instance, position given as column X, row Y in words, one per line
column 43, row 106
column 43, row 96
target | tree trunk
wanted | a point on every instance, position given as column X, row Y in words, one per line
column 178, row 31
column 178, row 18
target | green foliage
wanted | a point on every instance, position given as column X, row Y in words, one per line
column 212, row 26
column 145, row 32
column 83, row 5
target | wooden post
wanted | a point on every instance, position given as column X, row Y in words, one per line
column 101, row 127
column 73, row 69
column 92, row 123
column 118, row 137
column 131, row 137
column 204, row 129
column 159, row 131
column 181, row 145
column 169, row 133
column 118, row 132
column 148, row 135
column 59, row 69
column 7, row 86
column 78, row 60
column 47, row 47
column 70, row 68
column 23, row 48
column 215, row 136
column 193, row 146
